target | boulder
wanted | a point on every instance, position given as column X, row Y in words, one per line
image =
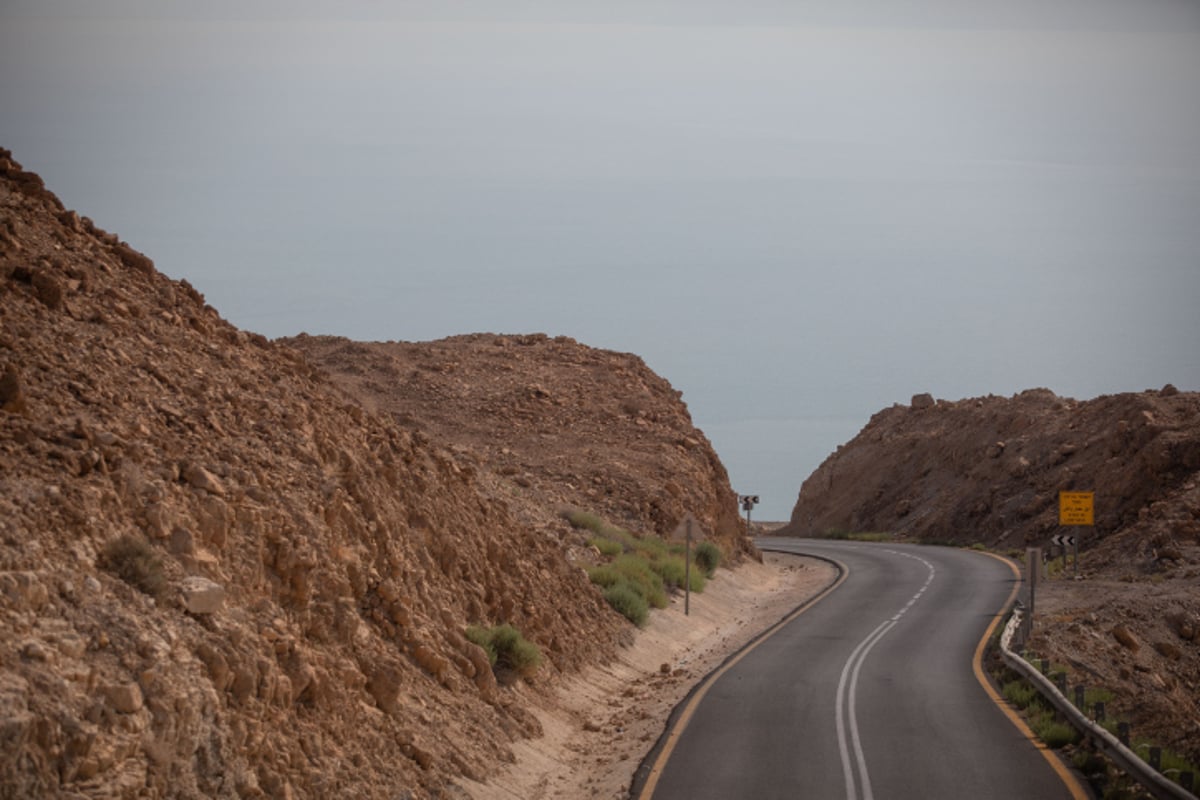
column 923, row 400
column 200, row 595
column 1126, row 638
column 12, row 392
column 200, row 478
column 126, row 698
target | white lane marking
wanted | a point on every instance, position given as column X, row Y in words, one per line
column 847, row 695
column 844, row 742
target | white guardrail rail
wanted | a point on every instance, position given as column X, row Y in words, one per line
column 1155, row 782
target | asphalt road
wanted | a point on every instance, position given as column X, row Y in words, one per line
column 868, row 693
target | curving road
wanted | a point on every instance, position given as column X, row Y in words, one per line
column 869, row 692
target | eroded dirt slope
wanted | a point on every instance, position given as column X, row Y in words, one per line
column 319, row 562
column 989, row 470
column 558, row 424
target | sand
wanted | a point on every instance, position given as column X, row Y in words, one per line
column 599, row 725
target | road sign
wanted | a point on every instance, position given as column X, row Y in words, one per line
column 1062, row 540
column 1075, row 508
column 689, row 526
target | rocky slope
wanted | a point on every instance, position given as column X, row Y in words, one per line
column 556, row 423
column 989, row 470
column 298, row 570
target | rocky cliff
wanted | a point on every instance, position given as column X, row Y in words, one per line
column 557, row 423
column 990, row 469
column 221, row 576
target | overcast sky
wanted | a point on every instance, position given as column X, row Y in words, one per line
column 797, row 212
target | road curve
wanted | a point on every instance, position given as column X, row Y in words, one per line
column 867, row 694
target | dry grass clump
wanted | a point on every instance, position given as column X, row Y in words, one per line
column 135, row 561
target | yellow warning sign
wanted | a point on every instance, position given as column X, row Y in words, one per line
column 1075, row 508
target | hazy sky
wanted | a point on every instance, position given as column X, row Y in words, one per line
column 797, row 212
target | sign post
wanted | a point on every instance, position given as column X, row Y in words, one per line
column 684, row 530
column 1074, row 508
column 748, row 501
column 687, row 570
column 1033, row 571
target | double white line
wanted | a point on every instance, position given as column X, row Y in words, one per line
column 847, row 720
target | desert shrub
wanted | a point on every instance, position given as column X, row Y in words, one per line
column 607, row 547
column 1054, row 732
column 672, row 569
column 604, row 576
column 1019, row 693
column 871, row 536
column 642, row 577
column 628, row 603
column 646, row 566
column 651, row 548
column 1096, row 694
column 584, row 520
column 1174, row 765
column 507, row 648
column 708, row 557
column 135, row 561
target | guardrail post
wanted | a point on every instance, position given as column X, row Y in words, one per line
column 1060, row 679
column 1045, row 665
column 1123, row 733
column 1156, row 758
column 1155, row 782
column 1187, row 780
column 1079, row 695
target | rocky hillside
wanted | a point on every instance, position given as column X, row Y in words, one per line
column 557, row 424
column 989, row 470
column 219, row 577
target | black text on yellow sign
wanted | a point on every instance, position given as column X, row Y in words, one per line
column 1075, row 508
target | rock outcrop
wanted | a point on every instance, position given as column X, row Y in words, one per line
column 218, row 577
column 990, row 469
column 553, row 422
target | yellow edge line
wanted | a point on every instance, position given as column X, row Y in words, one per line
column 1064, row 774
column 685, row 716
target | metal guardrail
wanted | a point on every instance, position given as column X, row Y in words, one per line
column 1155, row 782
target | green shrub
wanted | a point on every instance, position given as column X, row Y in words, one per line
column 584, row 520
column 672, row 569
column 507, row 648
column 651, row 548
column 647, row 566
column 628, row 603
column 604, row 576
column 607, row 547
column 642, row 577
column 135, row 561
column 708, row 557
column 1019, row 693
column 1096, row 694
column 1055, row 733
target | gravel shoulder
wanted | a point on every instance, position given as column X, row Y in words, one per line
column 599, row 724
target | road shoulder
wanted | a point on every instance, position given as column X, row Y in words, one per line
column 599, row 724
